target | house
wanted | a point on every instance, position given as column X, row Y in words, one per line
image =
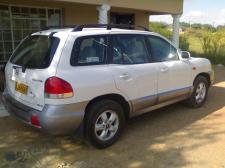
column 20, row 17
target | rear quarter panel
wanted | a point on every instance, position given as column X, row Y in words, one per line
column 87, row 82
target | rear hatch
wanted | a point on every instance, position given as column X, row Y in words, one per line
column 29, row 67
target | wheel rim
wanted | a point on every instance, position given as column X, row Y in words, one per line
column 106, row 125
column 200, row 92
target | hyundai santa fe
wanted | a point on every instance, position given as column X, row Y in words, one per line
column 92, row 78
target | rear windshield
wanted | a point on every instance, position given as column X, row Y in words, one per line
column 35, row 52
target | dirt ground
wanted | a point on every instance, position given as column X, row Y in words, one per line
column 172, row 137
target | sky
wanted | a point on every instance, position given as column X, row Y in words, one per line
column 199, row 11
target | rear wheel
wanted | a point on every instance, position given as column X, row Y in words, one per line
column 104, row 123
column 200, row 92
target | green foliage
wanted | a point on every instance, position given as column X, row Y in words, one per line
column 160, row 28
column 208, row 27
column 213, row 45
column 185, row 25
column 196, row 26
column 194, row 32
column 221, row 28
column 195, row 44
column 206, row 43
column 184, row 43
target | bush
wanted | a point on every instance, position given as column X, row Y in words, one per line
column 184, row 44
column 194, row 32
column 206, row 43
column 213, row 45
column 161, row 29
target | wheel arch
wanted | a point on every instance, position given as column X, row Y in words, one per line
column 115, row 97
column 204, row 74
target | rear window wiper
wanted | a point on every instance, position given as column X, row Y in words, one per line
column 24, row 68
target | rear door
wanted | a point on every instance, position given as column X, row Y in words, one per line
column 28, row 69
column 133, row 72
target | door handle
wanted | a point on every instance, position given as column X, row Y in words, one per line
column 165, row 69
column 124, row 76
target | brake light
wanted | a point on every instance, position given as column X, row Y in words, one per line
column 57, row 88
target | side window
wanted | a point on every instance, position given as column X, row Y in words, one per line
column 161, row 50
column 89, row 50
column 129, row 49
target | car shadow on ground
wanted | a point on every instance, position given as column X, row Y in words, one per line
column 156, row 139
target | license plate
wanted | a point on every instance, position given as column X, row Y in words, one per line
column 21, row 88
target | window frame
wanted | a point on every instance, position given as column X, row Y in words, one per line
column 77, row 43
column 166, row 41
column 110, row 53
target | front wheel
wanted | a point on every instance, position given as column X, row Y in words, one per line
column 105, row 123
column 200, row 92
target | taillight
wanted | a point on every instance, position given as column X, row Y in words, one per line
column 57, row 88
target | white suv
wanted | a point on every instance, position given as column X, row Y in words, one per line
column 92, row 78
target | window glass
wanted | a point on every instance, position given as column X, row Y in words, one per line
column 161, row 50
column 54, row 17
column 42, row 13
column 25, row 12
column 1, row 47
column 2, row 58
column 35, row 52
column 89, row 50
column 5, row 33
column 129, row 49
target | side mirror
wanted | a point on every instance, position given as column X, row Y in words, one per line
column 185, row 54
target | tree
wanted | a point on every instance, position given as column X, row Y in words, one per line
column 196, row 26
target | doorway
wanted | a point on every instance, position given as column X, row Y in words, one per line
column 121, row 18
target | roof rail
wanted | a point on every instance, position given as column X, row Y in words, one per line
column 58, row 27
column 108, row 26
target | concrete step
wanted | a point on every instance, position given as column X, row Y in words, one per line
column 3, row 111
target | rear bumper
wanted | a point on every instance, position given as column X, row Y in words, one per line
column 54, row 119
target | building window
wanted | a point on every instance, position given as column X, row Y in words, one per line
column 17, row 22
column 5, row 34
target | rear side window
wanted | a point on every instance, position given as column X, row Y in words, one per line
column 161, row 50
column 35, row 52
column 129, row 49
column 90, row 50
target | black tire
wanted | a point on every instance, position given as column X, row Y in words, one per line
column 192, row 100
column 93, row 114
